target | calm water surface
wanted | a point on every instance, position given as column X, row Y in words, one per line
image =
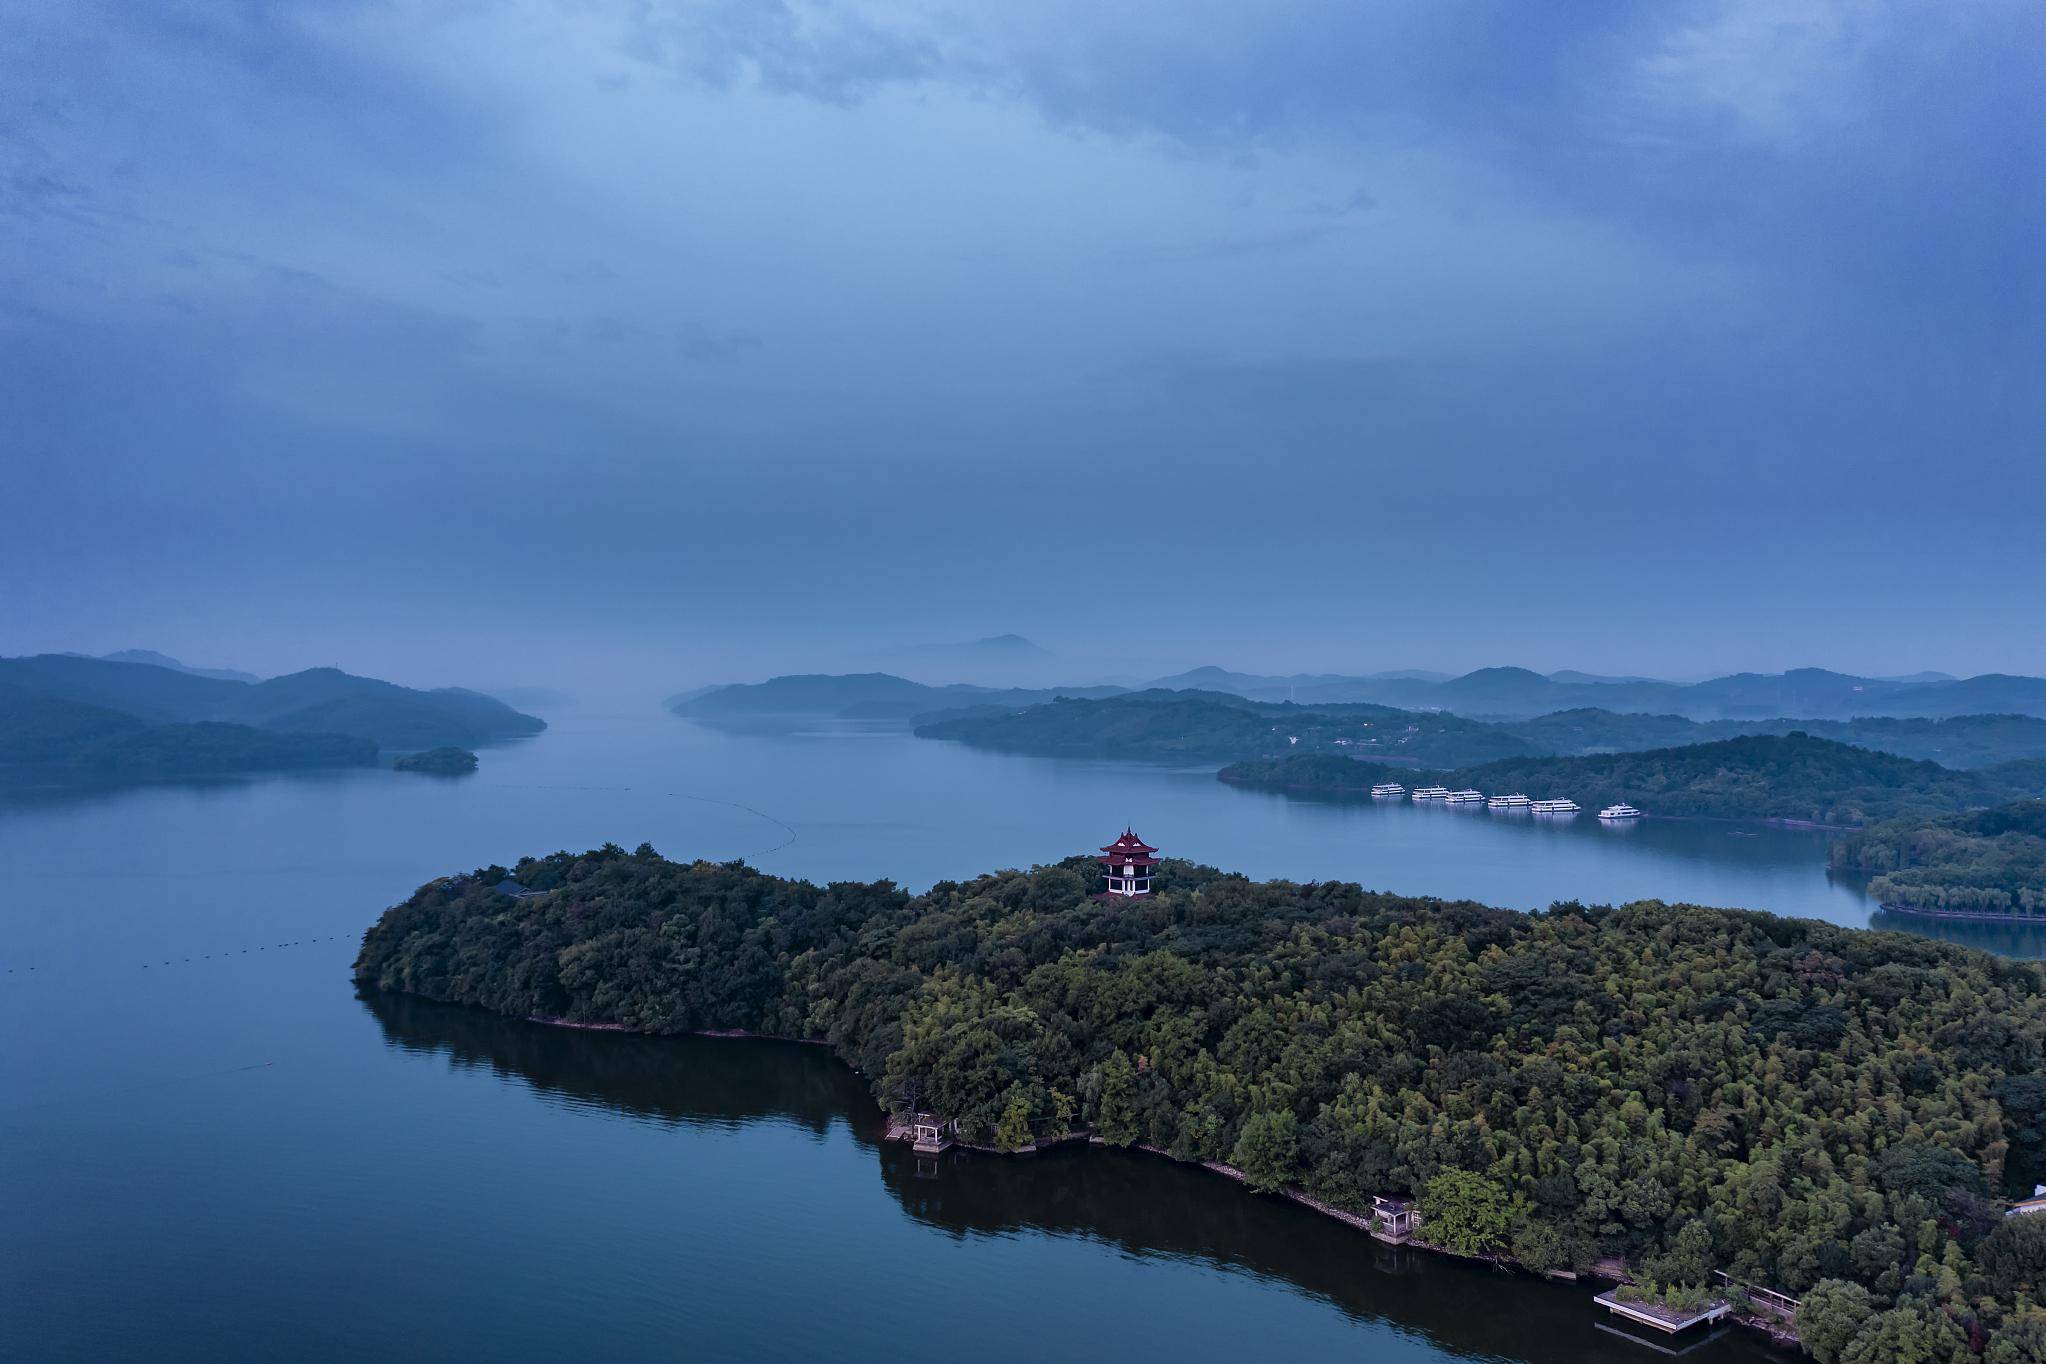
column 211, row 1147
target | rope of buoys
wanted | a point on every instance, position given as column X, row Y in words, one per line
column 224, row 952
column 786, row 827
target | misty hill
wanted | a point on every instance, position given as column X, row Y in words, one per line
column 995, row 649
column 1959, row 741
column 1788, row 776
column 1519, row 692
column 61, row 709
column 157, row 660
column 1982, row 862
column 38, row 730
column 862, row 696
column 1195, row 727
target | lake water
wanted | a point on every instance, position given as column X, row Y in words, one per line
column 211, row 1147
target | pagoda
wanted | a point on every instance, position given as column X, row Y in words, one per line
column 1127, row 863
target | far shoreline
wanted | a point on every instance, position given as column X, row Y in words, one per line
column 1986, row 916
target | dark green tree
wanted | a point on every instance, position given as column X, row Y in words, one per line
column 1117, row 1119
column 1831, row 1312
column 1465, row 1212
column 1267, row 1150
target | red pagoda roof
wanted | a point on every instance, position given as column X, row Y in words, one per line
column 1129, row 845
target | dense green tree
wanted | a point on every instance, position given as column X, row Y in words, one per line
column 2020, row 1340
column 1831, row 1313
column 1117, row 1119
column 1465, row 1212
column 1267, row 1149
column 1912, row 1333
column 2013, row 1257
column 1013, row 1132
column 1690, row 1258
column 1542, row 1246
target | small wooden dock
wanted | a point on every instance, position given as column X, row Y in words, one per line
column 1660, row 1318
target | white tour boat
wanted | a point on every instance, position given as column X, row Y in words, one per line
column 1516, row 801
column 1431, row 793
column 1620, row 811
column 1388, row 788
column 1465, row 797
column 1564, row 806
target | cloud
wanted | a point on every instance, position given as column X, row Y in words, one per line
column 1770, row 70
column 822, row 52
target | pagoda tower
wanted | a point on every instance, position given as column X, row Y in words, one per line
column 1127, row 863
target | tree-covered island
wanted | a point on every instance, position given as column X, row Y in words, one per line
column 1984, row 863
column 1831, row 1112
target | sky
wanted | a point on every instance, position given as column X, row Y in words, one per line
column 542, row 341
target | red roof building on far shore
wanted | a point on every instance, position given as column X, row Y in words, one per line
column 1127, row 863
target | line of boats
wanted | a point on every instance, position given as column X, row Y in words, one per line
column 1392, row 790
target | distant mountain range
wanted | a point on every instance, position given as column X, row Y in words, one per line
column 1489, row 693
column 1197, row 727
column 157, row 660
column 72, row 711
column 995, row 648
column 858, row 696
column 1518, row 693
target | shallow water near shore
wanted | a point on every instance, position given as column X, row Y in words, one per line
column 210, row 1146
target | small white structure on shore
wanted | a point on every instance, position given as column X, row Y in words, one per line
column 1393, row 1219
column 930, row 1133
column 2036, row 1203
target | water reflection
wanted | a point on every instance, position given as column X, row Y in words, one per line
column 1142, row 1205
column 696, row 1081
column 2006, row 939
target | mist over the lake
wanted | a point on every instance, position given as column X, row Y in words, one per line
column 626, row 347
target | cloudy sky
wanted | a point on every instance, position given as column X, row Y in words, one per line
column 708, row 339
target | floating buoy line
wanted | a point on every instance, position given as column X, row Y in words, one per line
column 222, row 955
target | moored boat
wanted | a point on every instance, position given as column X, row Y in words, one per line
column 1388, row 788
column 1431, row 792
column 1517, row 801
column 1622, row 811
column 1464, row 797
column 1560, row 806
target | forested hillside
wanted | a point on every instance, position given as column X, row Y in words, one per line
column 1791, row 776
column 1210, row 727
column 51, row 731
column 1981, row 862
column 1826, row 1110
column 65, row 710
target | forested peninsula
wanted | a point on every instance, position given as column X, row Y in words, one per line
column 144, row 714
column 1985, row 863
column 1831, row 1112
column 1790, row 776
